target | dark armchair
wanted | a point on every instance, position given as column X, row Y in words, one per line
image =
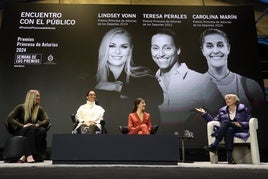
column 14, row 146
column 124, row 129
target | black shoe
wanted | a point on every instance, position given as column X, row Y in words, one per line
column 231, row 161
column 210, row 148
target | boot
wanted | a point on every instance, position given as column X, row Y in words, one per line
column 230, row 158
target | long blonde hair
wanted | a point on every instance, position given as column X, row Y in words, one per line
column 130, row 68
column 30, row 106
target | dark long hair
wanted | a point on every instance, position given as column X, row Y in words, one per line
column 136, row 103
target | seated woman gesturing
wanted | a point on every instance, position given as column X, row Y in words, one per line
column 234, row 117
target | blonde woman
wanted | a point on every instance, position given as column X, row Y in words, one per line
column 29, row 120
column 115, row 63
column 120, row 81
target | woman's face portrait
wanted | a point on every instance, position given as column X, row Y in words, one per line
column 119, row 49
column 216, row 50
column 164, row 51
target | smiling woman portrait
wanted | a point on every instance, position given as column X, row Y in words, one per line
column 120, row 81
column 115, row 63
column 215, row 47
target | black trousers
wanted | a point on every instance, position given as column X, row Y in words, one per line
column 36, row 140
column 227, row 130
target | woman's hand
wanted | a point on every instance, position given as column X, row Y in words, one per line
column 88, row 123
column 201, row 110
column 28, row 124
column 237, row 124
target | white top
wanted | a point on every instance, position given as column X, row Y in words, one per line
column 232, row 114
column 90, row 112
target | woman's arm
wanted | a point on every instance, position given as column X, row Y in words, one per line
column 43, row 119
column 244, row 121
column 149, row 122
column 110, row 86
column 207, row 116
column 131, row 124
column 16, row 116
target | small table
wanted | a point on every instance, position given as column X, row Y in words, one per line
column 186, row 136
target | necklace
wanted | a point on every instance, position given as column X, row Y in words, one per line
column 219, row 79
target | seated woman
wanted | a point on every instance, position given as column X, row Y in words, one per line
column 139, row 121
column 30, row 121
column 89, row 115
column 233, row 118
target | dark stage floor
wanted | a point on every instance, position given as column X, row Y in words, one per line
column 181, row 170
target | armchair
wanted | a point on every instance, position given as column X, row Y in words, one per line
column 124, row 129
column 14, row 146
column 243, row 151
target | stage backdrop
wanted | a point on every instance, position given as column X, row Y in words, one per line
column 56, row 48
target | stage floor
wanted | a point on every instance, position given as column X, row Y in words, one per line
column 195, row 170
column 48, row 164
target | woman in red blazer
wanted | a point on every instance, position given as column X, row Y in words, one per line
column 139, row 121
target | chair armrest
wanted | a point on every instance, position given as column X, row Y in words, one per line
column 253, row 124
column 253, row 127
column 123, row 129
column 254, row 146
column 73, row 118
column 11, row 129
column 48, row 126
column 154, row 129
column 102, row 122
column 210, row 126
column 74, row 121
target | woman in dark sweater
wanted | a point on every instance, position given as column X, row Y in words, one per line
column 29, row 120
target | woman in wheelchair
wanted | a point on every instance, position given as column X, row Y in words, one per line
column 234, row 117
column 89, row 116
column 139, row 121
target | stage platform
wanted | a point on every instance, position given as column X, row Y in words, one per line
column 74, row 156
column 114, row 149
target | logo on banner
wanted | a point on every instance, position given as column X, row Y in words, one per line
column 50, row 60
